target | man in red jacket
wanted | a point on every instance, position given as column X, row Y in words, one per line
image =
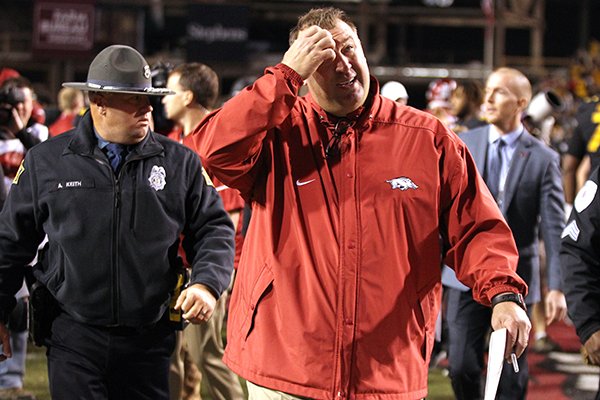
column 338, row 288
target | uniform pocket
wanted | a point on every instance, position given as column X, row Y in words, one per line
column 262, row 286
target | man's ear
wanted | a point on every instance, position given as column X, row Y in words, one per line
column 188, row 97
column 523, row 103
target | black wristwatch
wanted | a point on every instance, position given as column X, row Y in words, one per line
column 510, row 296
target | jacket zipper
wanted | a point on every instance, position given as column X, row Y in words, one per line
column 133, row 203
column 115, row 254
column 114, row 278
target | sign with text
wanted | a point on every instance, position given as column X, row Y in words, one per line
column 217, row 32
column 63, row 26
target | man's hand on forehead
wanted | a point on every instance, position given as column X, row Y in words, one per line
column 313, row 46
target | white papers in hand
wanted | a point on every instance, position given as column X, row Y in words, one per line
column 495, row 363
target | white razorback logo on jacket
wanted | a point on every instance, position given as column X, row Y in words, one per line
column 157, row 178
column 402, row 183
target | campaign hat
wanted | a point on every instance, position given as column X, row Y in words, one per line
column 119, row 69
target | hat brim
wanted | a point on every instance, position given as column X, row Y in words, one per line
column 151, row 91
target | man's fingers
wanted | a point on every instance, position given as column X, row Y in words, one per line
column 180, row 300
column 522, row 341
column 313, row 47
column 517, row 339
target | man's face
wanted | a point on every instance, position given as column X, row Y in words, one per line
column 342, row 85
column 502, row 103
column 174, row 103
column 124, row 118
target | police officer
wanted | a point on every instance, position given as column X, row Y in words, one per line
column 114, row 198
column 580, row 262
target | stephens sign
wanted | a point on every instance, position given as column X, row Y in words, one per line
column 217, row 32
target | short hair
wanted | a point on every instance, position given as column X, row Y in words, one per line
column 520, row 82
column 202, row 80
column 66, row 97
column 325, row 18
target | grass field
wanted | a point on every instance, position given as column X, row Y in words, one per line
column 36, row 379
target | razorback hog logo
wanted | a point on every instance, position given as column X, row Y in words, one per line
column 402, row 183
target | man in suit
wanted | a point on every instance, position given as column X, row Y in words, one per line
column 523, row 175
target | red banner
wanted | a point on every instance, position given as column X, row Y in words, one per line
column 62, row 26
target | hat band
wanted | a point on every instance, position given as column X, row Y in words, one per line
column 111, row 85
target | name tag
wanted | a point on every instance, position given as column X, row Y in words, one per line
column 72, row 184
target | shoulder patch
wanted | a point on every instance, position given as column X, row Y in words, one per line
column 585, row 196
column 18, row 174
column 571, row 230
column 207, row 179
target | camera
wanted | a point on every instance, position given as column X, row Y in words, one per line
column 542, row 105
column 9, row 98
column 160, row 75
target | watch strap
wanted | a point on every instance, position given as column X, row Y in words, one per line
column 514, row 297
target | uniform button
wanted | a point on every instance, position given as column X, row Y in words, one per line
column 349, row 175
column 351, row 244
column 349, row 322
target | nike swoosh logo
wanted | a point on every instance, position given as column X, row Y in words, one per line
column 304, row 183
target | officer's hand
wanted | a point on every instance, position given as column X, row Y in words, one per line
column 591, row 349
column 512, row 317
column 197, row 303
column 313, row 46
column 5, row 339
column 556, row 306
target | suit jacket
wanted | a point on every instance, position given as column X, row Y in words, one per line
column 533, row 203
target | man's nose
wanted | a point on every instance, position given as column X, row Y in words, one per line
column 342, row 63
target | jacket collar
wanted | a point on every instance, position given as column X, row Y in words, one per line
column 84, row 140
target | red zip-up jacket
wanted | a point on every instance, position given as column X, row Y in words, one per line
column 338, row 288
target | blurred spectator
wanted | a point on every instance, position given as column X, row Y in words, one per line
column 585, row 140
column 396, row 91
column 18, row 133
column 466, row 100
column 70, row 102
column 438, row 100
column 18, row 130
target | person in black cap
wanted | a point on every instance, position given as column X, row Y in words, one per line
column 114, row 198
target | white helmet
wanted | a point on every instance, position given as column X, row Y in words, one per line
column 394, row 90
